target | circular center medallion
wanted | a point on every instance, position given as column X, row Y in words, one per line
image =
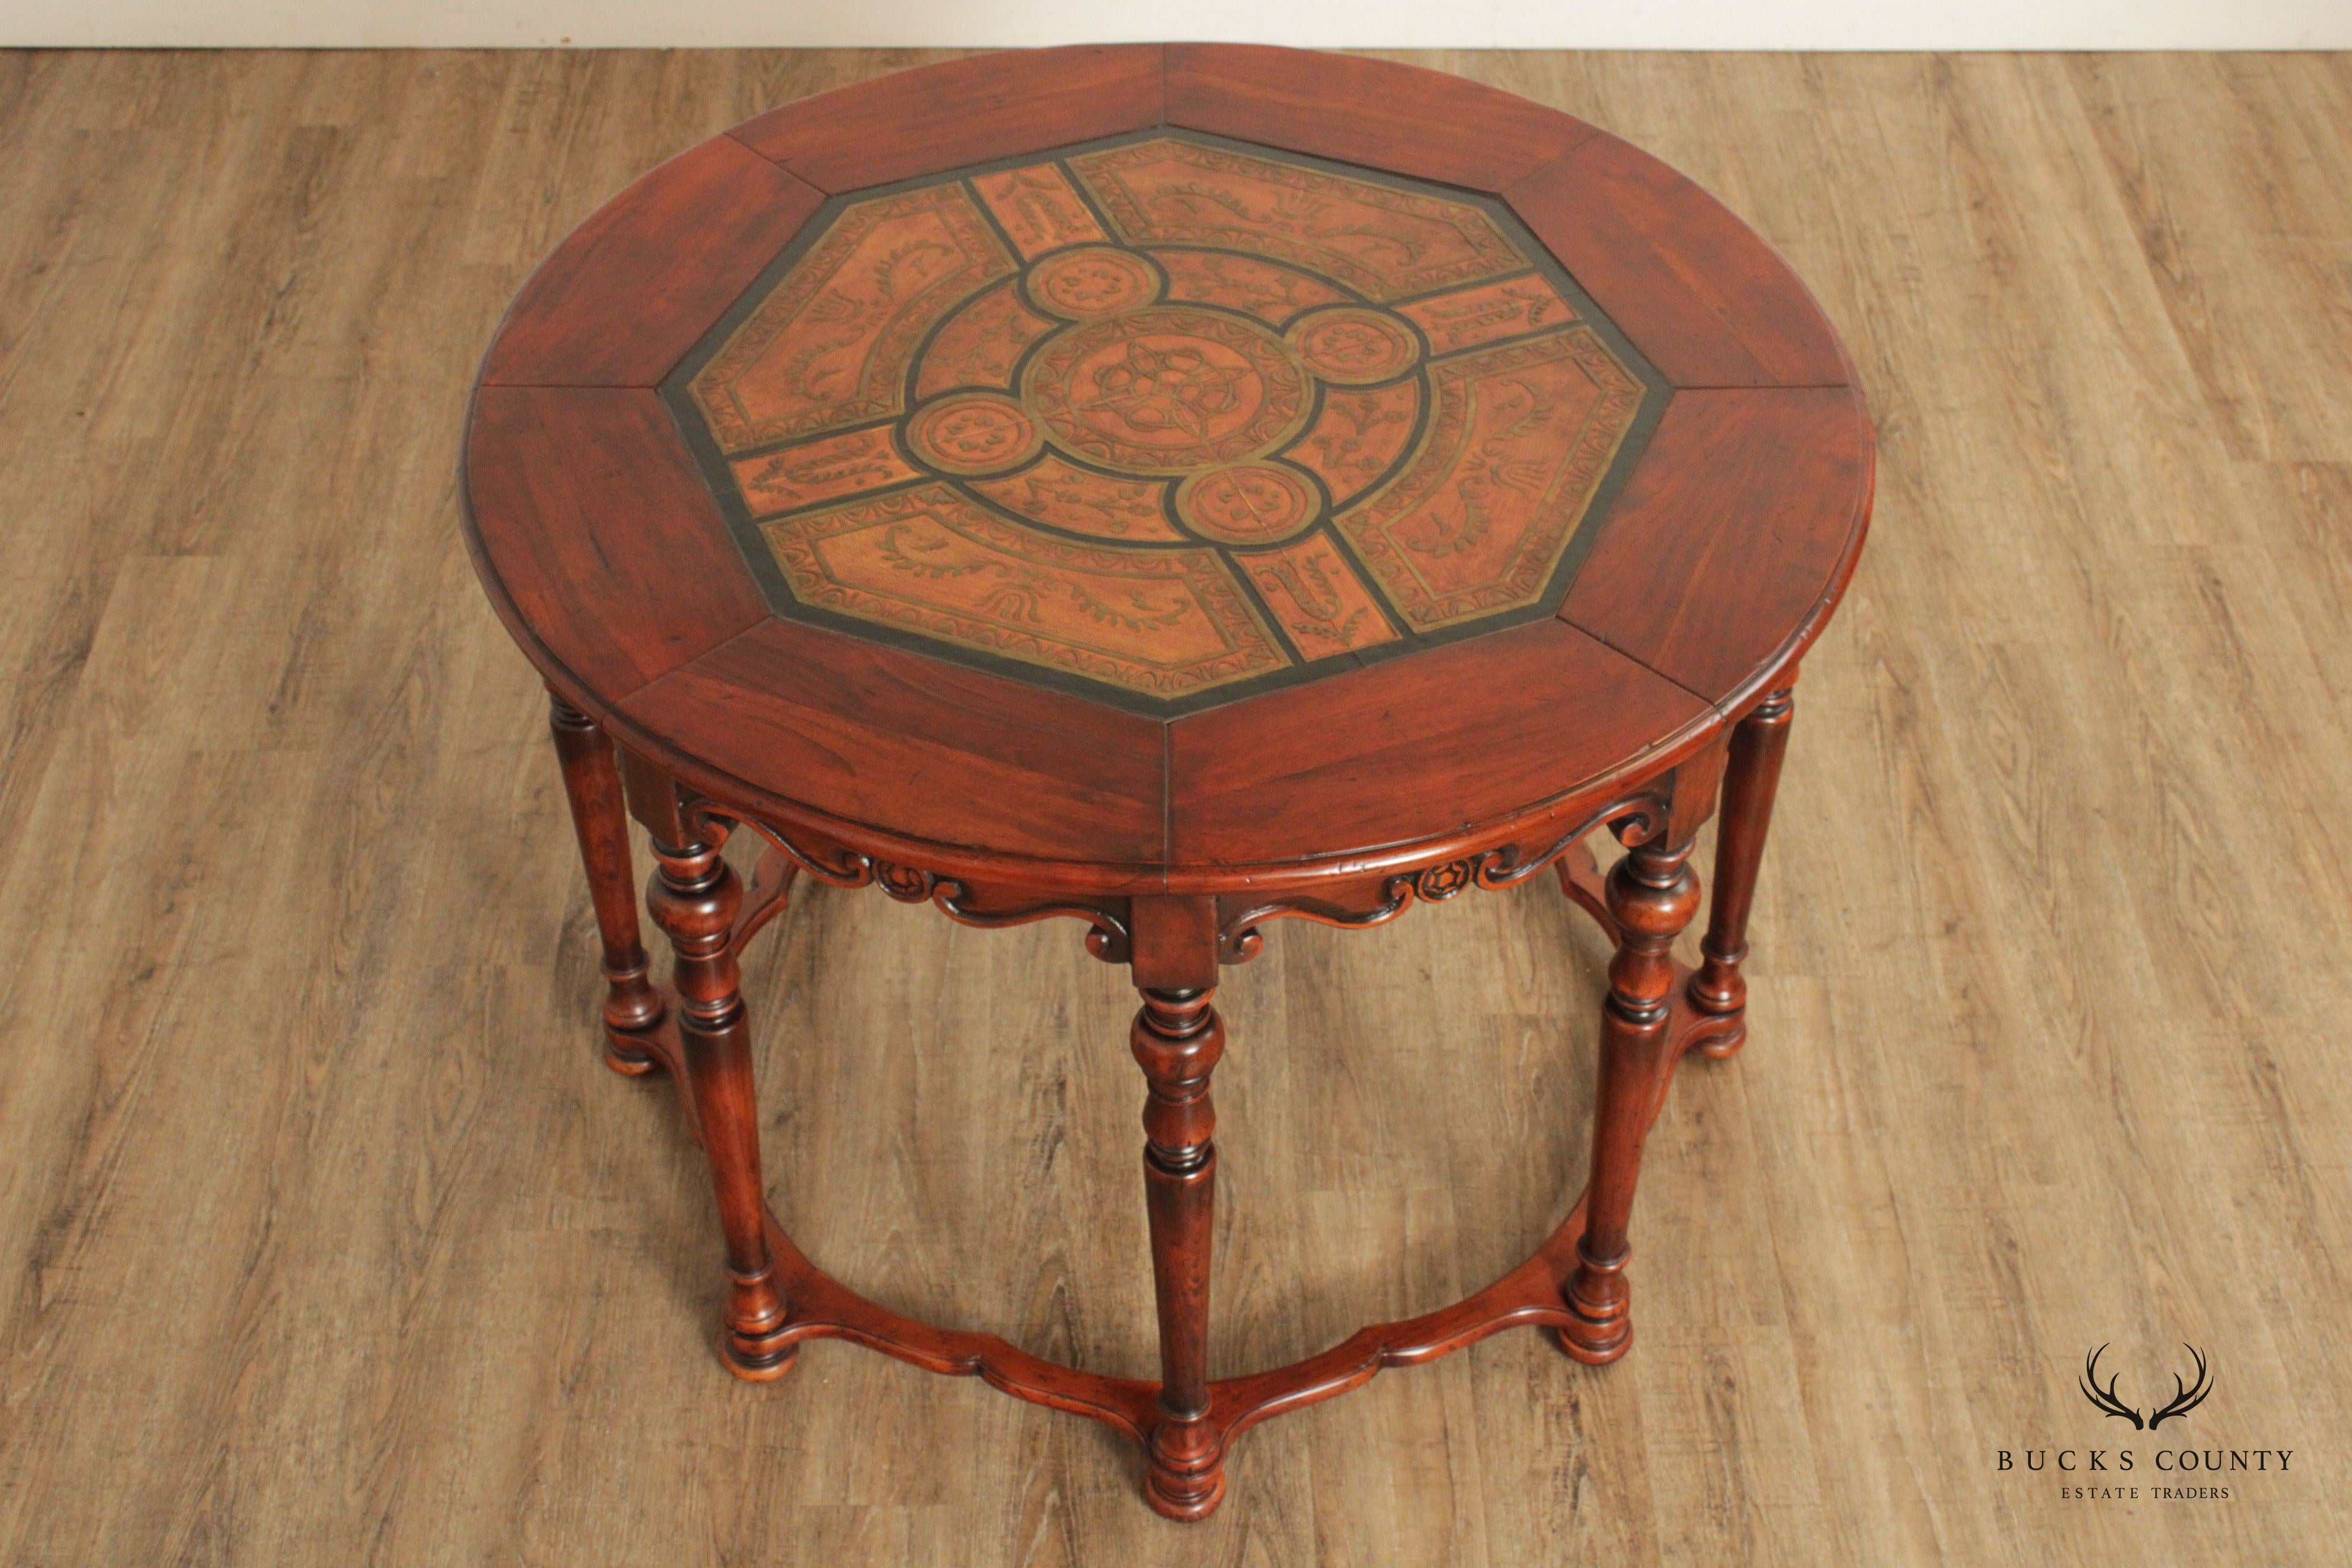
column 1249, row 503
column 972, row 433
column 1167, row 390
column 1354, row 346
column 1095, row 281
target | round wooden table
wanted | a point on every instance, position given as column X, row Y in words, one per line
column 1176, row 489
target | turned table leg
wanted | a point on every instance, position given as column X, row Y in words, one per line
column 632, row 1005
column 1651, row 897
column 694, row 896
column 1177, row 1040
column 1751, row 780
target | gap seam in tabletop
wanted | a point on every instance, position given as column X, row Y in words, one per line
column 1394, row 854
column 1707, row 716
column 488, row 571
column 1586, row 132
column 1832, row 589
column 611, row 705
column 1158, row 871
column 1795, row 642
column 556, row 670
column 482, row 374
column 1628, row 655
column 1159, row 120
column 1584, row 145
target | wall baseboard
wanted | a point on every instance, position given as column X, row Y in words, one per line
column 1833, row 25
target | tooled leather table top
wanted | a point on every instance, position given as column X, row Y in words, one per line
column 1164, row 421
column 1149, row 457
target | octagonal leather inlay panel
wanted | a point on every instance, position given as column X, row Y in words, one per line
column 1164, row 420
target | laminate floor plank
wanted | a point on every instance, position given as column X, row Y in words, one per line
column 325, row 1238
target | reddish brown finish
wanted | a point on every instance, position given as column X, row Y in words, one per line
column 1532, row 1295
column 965, row 111
column 1176, row 944
column 1699, row 292
column 1477, row 763
column 684, row 240
column 605, row 633
column 695, row 896
column 596, row 539
column 1652, row 896
column 1580, row 880
column 1733, row 538
column 1751, row 781
column 593, row 784
column 954, row 755
column 1176, row 1040
column 1408, row 750
column 1401, row 118
column 764, row 898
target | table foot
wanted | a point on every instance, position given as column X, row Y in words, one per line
column 629, row 1056
column 757, row 1360
column 1185, row 1475
column 1584, row 1355
column 1726, row 1044
column 1600, row 1328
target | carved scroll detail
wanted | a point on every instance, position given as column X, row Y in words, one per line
column 841, row 868
column 905, row 883
column 1636, row 820
column 1107, row 941
column 838, row 866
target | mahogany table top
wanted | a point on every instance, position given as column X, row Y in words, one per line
column 1156, row 466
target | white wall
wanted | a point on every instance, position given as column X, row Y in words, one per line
column 1363, row 23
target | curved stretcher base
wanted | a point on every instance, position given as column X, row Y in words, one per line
column 1533, row 1295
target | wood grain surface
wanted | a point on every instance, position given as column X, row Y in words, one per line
column 1361, row 415
column 691, row 236
column 638, row 578
column 870, row 135
column 327, row 1238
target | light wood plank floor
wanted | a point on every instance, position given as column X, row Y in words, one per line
column 325, row 1239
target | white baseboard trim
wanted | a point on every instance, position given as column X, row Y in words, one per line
column 1837, row 24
